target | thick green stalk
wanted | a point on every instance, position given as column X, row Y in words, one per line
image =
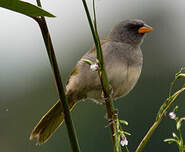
column 63, row 99
column 103, row 78
column 157, row 122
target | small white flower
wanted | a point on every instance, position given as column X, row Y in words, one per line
column 94, row 67
column 124, row 141
column 172, row 115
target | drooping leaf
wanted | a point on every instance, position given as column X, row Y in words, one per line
column 170, row 140
column 24, row 8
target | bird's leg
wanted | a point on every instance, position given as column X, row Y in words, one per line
column 104, row 99
column 110, row 120
column 110, row 95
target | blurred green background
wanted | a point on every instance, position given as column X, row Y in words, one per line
column 27, row 87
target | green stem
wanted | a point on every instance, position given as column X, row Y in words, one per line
column 63, row 99
column 39, row 3
column 99, row 53
column 181, row 145
column 94, row 11
column 103, row 78
column 126, row 148
column 157, row 122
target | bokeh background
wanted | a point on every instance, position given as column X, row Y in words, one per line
column 27, row 87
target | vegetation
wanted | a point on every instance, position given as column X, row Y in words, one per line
column 118, row 134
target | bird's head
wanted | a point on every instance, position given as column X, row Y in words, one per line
column 130, row 31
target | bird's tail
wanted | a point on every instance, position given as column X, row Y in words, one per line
column 49, row 123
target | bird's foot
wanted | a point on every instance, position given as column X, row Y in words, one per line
column 105, row 97
column 110, row 120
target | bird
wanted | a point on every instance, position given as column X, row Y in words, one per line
column 123, row 62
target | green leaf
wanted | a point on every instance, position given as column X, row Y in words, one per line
column 178, row 125
column 170, row 140
column 123, row 122
column 181, row 75
column 175, row 109
column 24, row 8
column 88, row 61
column 127, row 133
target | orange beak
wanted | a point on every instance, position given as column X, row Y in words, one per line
column 145, row 29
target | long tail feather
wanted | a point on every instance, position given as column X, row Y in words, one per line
column 48, row 124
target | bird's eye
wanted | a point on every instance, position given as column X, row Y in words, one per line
column 133, row 27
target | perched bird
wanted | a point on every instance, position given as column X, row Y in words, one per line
column 123, row 61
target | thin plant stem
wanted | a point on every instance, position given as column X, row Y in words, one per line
column 103, row 77
column 126, row 148
column 39, row 3
column 181, row 141
column 94, row 11
column 63, row 99
column 157, row 122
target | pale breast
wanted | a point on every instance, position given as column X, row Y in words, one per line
column 130, row 81
column 123, row 67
